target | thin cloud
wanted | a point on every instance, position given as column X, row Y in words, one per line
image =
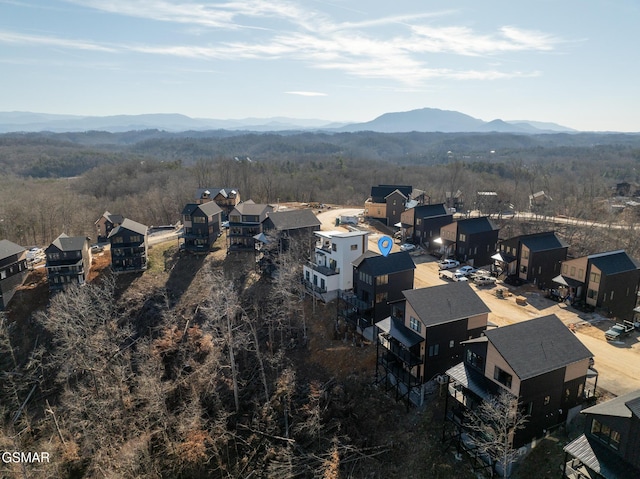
column 51, row 41
column 305, row 93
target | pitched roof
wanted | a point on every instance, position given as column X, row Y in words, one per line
column 424, row 211
column 600, row 458
column 380, row 192
column 622, row 406
column 444, row 303
column 189, row 208
column 614, row 262
column 8, row 248
column 250, row 208
column 396, row 328
column 130, row 225
column 476, row 225
column 542, row 241
column 293, row 219
column 378, row 265
column 537, row 346
column 69, row 243
column 211, row 208
column 213, row 192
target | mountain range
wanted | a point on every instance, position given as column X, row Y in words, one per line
column 420, row 120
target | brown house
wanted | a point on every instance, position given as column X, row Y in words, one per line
column 225, row 198
column 105, row 224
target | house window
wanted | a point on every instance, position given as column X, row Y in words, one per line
column 525, row 254
column 452, row 343
column 54, row 256
column 433, row 350
column 502, row 377
column 605, row 434
column 523, row 269
column 384, row 279
column 594, row 277
column 381, row 297
column 475, row 360
column 334, row 247
column 116, row 240
column 547, row 400
column 307, row 275
column 573, row 271
column 611, row 296
column 418, row 221
column 234, row 219
column 135, row 239
column 580, row 273
column 592, row 293
column 415, row 324
column 462, row 237
column 565, row 269
column 199, row 219
column 354, row 247
column 322, row 284
column 3, row 275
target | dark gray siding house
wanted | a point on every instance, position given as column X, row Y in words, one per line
column 534, row 258
column 472, row 240
column 378, row 281
column 245, row 222
column 289, row 225
column 13, row 270
column 539, row 361
column 129, row 247
column 201, row 226
column 105, row 224
column 610, row 445
column 68, row 261
column 427, row 337
column 421, row 224
column 226, row 198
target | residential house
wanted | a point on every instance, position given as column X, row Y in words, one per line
column 378, row 281
column 534, row 258
column 201, row 226
column 289, row 224
column 129, row 247
column 421, row 224
column 68, row 261
column 330, row 269
column 472, row 240
column 610, row 445
column 454, row 200
column 387, row 202
column 105, row 224
column 538, row 361
column 225, row 198
column 424, row 335
column 538, row 201
column 13, row 270
column 605, row 280
column 245, row 222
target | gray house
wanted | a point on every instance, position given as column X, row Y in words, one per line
column 13, row 270
column 68, row 261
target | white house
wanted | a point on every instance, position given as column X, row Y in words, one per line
column 330, row 269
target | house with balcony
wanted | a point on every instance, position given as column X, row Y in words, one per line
column 421, row 224
column 105, row 224
column 225, row 198
column 607, row 281
column 609, row 448
column 424, row 336
column 470, row 240
column 539, row 361
column 534, row 258
column 288, row 225
column 387, row 202
column 68, row 261
column 245, row 222
column 129, row 247
column 13, row 270
column 378, row 282
column 330, row 269
column 201, row 226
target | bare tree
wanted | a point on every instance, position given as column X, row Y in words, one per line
column 493, row 425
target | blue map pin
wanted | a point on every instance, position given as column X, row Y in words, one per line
column 384, row 245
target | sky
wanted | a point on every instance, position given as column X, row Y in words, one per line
column 572, row 62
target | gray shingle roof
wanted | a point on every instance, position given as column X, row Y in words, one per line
column 599, row 458
column 614, row 262
column 622, row 406
column 543, row 241
column 250, row 208
column 8, row 248
column 130, row 225
column 211, row 208
column 379, row 265
column 425, row 211
column 537, row 346
column 294, row 219
column 444, row 303
column 69, row 243
column 476, row 225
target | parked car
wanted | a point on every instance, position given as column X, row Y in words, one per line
column 448, row 264
column 466, row 270
column 407, row 247
column 453, row 276
column 484, row 280
column 619, row 330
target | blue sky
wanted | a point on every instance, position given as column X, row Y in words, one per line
column 573, row 62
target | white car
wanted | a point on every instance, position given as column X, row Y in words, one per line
column 466, row 270
column 407, row 247
column 448, row 264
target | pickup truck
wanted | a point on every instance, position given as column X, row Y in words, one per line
column 484, row 280
column 619, row 330
column 452, row 275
